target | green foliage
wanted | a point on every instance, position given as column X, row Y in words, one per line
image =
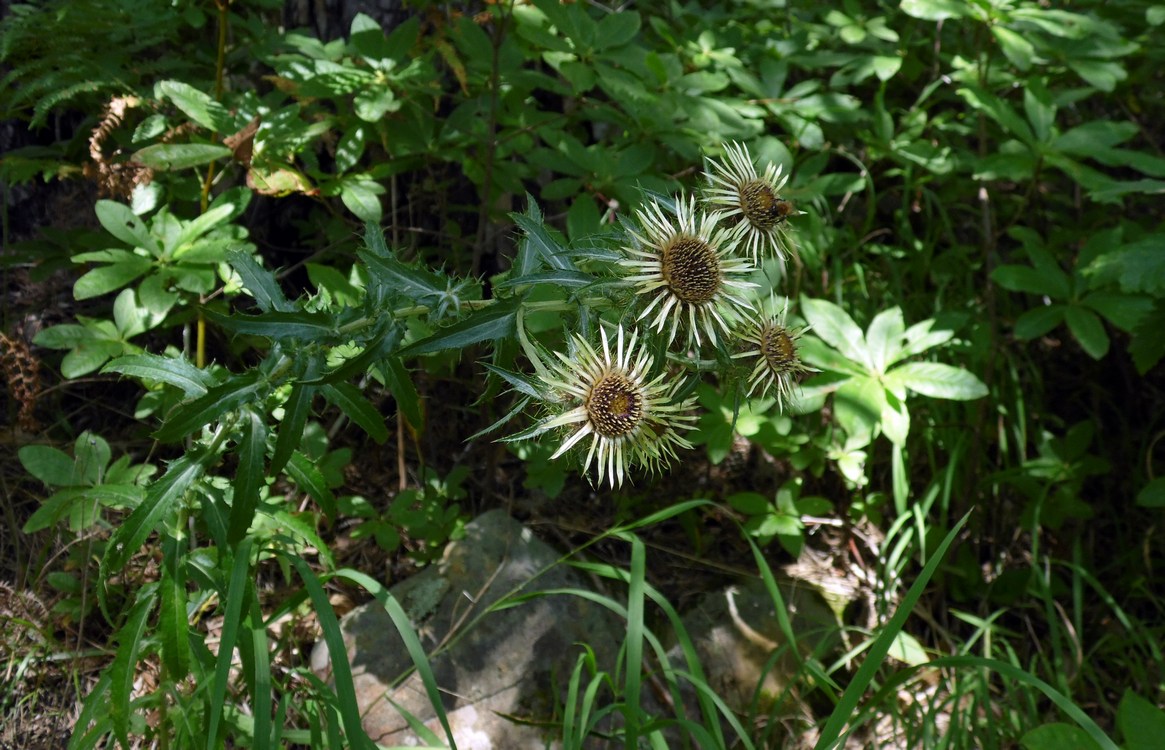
column 986, row 169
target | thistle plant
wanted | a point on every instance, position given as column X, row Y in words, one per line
column 688, row 268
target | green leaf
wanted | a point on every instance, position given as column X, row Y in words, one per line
column 1148, row 345
column 259, row 282
column 175, row 371
column 1058, row 736
column 884, row 338
column 295, row 413
column 400, row 384
column 397, row 278
column 1085, row 325
column 173, row 156
column 1138, row 266
column 235, row 593
column 123, row 670
column 937, row 380
column 1027, row 279
column 539, row 243
column 280, row 326
column 835, row 327
column 249, row 475
column 1016, row 49
column 359, row 409
column 1152, row 495
column 88, row 356
column 192, row 415
column 362, row 198
column 196, row 105
column 66, row 336
column 489, row 324
column 906, row 648
column 119, row 221
column 752, row 503
column 1038, row 321
column 311, row 480
column 48, row 464
column 173, row 622
column 858, row 407
column 935, row 10
column 616, row 29
column 1141, row 723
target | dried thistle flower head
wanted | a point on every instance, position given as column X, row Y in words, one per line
column 630, row 419
column 684, row 263
column 735, row 187
column 774, row 344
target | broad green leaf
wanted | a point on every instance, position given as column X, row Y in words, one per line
column 835, row 327
column 1019, row 51
column 922, row 336
column 358, row 408
column 1138, row 266
column 999, row 111
column 198, row 106
column 1125, row 311
column 937, row 380
column 249, row 475
column 193, row 415
column 58, row 505
column 362, row 197
column 935, row 10
column 1038, row 321
column 884, row 338
column 616, row 29
column 1058, row 736
column 1027, row 279
column 66, row 336
column 858, row 407
column 489, row 324
column 175, row 371
column 174, row 156
column 1088, row 330
column 1103, row 74
column 1148, row 345
column 1152, row 495
column 50, row 465
column 311, row 480
column 895, row 419
column 197, row 227
column 89, row 356
column 120, row 221
column 1141, row 723
column 906, row 648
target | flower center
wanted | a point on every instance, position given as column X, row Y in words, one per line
column 691, row 269
column 778, row 349
column 615, row 406
column 762, row 206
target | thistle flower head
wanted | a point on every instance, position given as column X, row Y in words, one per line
column 735, row 188
column 629, row 418
column 684, row 264
column 778, row 362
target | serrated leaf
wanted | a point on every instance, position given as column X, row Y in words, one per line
column 357, row 408
column 259, row 282
column 295, row 414
column 398, row 278
column 311, row 480
column 249, row 476
column 128, row 538
column 175, row 371
column 521, row 384
column 123, row 670
column 938, row 380
column 835, row 327
column 1085, row 325
column 219, row 400
column 173, row 156
column 489, row 324
column 300, row 325
column 564, row 278
column 173, row 623
column 541, row 243
column 400, row 384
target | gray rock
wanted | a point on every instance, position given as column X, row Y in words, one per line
column 508, row 662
